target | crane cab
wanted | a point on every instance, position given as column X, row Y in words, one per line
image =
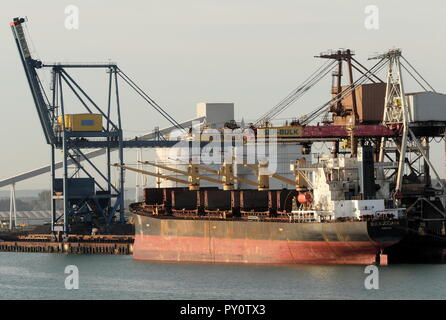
column 86, row 122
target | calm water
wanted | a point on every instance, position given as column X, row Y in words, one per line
column 41, row 276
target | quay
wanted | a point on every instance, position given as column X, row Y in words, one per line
column 73, row 244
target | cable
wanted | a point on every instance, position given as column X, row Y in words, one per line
column 33, row 46
column 421, row 85
column 299, row 87
column 304, row 83
column 148, row 99
column 413, row 68
column 307, row 84
column 43, row 90
column 304, row 90
column 359, row 64
column 34, row 53
column 33, row 49
column 313, row 115
column 346, row 92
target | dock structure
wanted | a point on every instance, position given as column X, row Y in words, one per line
column 73, row 244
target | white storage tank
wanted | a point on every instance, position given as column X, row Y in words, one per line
column 426, row 106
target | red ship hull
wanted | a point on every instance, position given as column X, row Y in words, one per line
column 159, row 248
column 182, row 240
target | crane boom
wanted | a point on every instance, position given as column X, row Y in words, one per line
column 165, row 167
column 30, row 65
column 220, row 173
column 157, row 175
column 204, row 168
column 182, row 172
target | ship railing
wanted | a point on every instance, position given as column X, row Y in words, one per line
column 386, row 214
column 396, row 213
column 254, row 213
column 310, row 216
column 218, row 214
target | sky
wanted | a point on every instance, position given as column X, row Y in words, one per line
column 252, row 53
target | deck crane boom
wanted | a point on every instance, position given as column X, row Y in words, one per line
column 153, row 174
column 228, row 177
column 191, row 173
column 30, row 65
column 225, row 172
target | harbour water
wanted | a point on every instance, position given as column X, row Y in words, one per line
column 42, row 276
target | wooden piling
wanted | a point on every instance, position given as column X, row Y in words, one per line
column 74, row 244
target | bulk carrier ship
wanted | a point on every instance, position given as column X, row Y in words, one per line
column 332, row 210
column 368, row 191
column 337, row 213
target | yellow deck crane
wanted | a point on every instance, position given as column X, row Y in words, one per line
column 301, row 182
column 262, row 179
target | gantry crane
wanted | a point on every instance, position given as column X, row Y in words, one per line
column 93, row 200
column 413, row 137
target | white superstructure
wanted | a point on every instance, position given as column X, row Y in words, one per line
column 336, row 189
